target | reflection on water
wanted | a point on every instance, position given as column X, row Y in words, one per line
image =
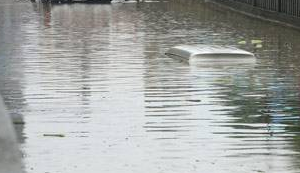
column 97, row 75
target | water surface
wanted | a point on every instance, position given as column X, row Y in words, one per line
column 97, row 75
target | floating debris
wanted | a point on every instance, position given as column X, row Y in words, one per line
column 54, row 135
column 258, row 46
column 19, row 122
column 256, row 41
column 212, row 54
column 193, row 100
column 242, row 42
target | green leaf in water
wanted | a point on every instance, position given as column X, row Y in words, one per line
column 19, row 122
column 288, row 108
column 54, row 135
column 256, row 41
column 242, row 42
column 224, row 80
column 258, row 46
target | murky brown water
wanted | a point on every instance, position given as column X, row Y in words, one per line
column 97, row 75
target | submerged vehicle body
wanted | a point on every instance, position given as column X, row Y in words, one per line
column 210, row 54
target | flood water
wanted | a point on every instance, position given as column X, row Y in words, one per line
column 96, row 76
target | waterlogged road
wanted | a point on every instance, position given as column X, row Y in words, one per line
column 98, row 95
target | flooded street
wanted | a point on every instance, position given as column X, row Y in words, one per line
column 96, row 74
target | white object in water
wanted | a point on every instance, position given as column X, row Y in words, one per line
column 10, row 156
column 211, row 53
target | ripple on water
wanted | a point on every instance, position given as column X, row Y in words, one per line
column 96, row 76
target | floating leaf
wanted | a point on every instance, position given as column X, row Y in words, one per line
column 256, row 41
column 19, row 122
column 194, row 100
column 242, row 42
column 258, row 46
column 55, row 135
column 223, row 80
column 288, row 108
